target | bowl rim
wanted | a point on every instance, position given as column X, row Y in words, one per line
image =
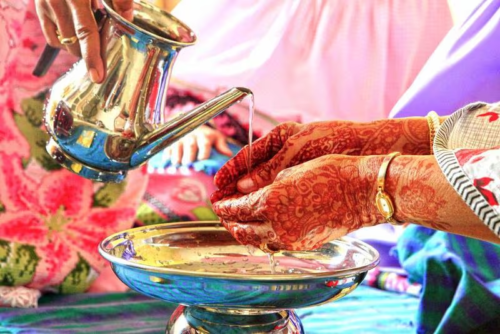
column 113, row 260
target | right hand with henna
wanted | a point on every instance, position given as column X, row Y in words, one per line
column 290, row 144
column 70, row 24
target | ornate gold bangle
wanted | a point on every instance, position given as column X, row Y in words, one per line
column 433, row 122
column 382, row 200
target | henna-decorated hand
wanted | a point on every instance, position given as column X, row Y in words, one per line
column 306, row 205
column 290, row 144
column 327, row 197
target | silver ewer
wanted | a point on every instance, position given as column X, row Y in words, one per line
column 100, row 131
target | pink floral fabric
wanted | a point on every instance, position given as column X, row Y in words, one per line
column 51, row 220
column 467, row 148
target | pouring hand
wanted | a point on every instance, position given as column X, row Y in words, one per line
column 306, row 205
column 197, row 146
column 290, row 144
column 70, row 24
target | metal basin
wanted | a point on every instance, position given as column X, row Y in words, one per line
column 227, row 287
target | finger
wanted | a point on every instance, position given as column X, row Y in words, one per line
column 176, row 153
column 223, row 193
column 222, row 146
column 263, row 149
column 204, row 147
column 124, row 8
column 256, row 233
column 88, row 35
column 165, row 156
column 265, row 173
column 62, row 17
column 49, row 31
column 190, row 150
column 244, row 233
column 270, row 171
column 241, row 208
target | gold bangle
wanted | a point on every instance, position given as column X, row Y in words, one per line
column 382, row 200
column 434, row 123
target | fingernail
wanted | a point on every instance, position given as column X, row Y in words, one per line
column 94, row 75
column 246, row 184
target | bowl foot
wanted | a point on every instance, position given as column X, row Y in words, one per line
column 208, row 320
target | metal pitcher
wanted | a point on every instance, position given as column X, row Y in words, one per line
column 100, row 131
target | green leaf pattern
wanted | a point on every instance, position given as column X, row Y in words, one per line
column 148, row 216
column 30, row 126
column 107, row 195
column 79, row 279
column 204, row 213
column 17, row 263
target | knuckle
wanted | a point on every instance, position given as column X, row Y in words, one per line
column 204, row 140
column 263, row 211
column 53, row 3
column 189, row 140
column 122, row 2
column 53, row 43
column 281, row 174
column 83, row 32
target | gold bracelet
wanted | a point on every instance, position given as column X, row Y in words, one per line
column 383, row 201
column 434, row 123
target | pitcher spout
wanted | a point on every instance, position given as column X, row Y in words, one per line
column 183, row 124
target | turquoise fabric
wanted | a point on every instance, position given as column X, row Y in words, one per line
column 460, row 278
column 365, row 310
column 209, row 166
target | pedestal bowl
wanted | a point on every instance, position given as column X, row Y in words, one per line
column 225, row 287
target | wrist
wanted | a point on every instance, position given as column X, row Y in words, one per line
column 382, row 194
column 392, row 186
column 369, row 170
column 417, row 135
column 405, row 181
column 410, row 136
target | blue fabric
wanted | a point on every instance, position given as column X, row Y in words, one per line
column 460, row 276
column 460, row 280
column 365, row 310
column 210, row 166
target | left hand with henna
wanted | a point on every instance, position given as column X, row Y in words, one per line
column 326, row 198
column 290, row 144
column 306, row 205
